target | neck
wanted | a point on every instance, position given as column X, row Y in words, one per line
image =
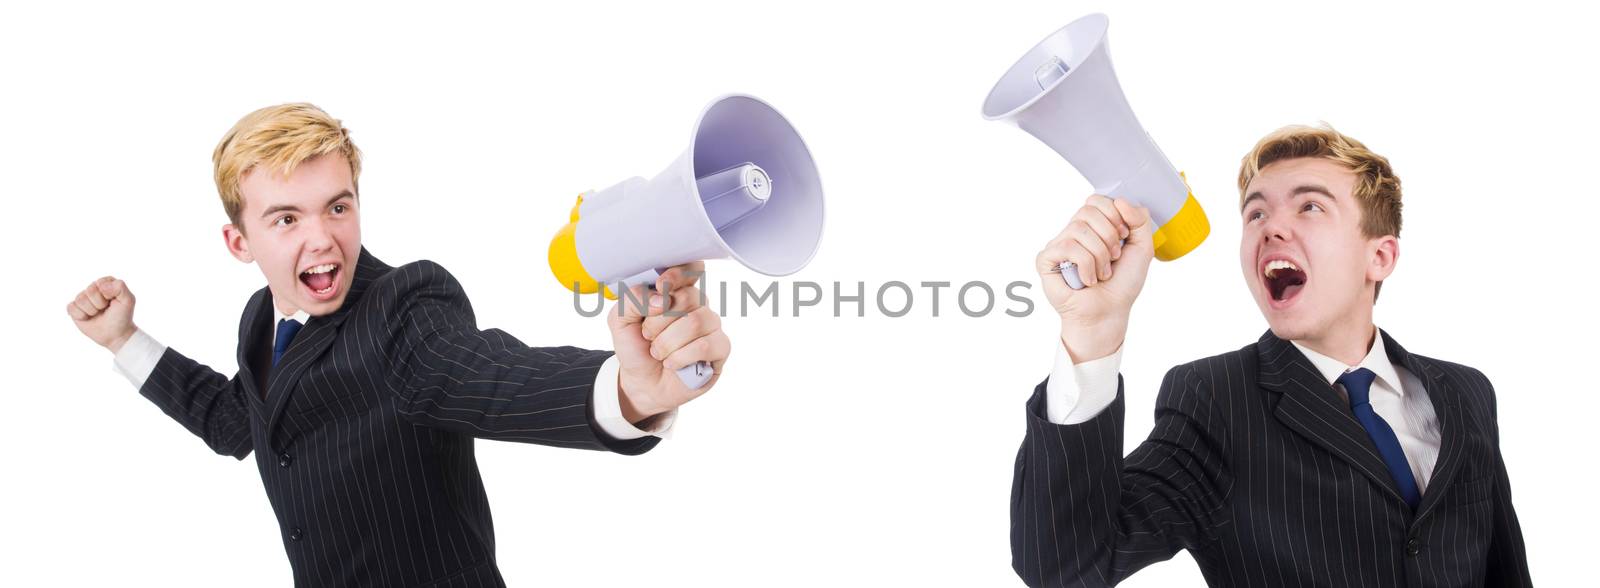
column 286, row 310
column 1348, row 342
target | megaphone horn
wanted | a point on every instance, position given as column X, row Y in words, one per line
column 746, row 188
column 1064, row 92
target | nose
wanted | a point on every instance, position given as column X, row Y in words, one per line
column 320, row 236
column 1274, row 229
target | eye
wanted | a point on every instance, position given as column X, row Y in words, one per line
column 1311, row 204
column 340, row 208
column 1253, row 215
column 283, row 220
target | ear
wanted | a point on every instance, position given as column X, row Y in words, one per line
column 1385, row 254
column 236, row 242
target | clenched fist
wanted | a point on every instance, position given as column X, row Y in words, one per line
column 103, row 312
column 652, row 343
column 1111, row 241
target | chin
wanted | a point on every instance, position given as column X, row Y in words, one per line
column 1299, row 326
column 1286, row 331
column 1287, row 324
column 325, row 307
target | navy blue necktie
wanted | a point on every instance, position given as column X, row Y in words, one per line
column 1358, row 384
column 286, row 330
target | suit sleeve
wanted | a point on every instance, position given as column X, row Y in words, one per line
column 1508, row 558
column 1083, row 515
column 209, row 405
column 486, row 383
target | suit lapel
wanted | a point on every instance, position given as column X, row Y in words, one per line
column 1452, row 423
column 252, row 338
column 1311, row 407
column 313, row 340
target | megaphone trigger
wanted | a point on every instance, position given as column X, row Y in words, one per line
column 695, row 377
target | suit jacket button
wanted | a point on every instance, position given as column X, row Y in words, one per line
column 1413, row 546
column 284, row 459
column 295, row 534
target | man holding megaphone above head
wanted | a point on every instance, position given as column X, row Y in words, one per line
column 1322, row 454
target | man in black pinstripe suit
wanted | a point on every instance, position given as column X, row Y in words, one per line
column 1324, row 454
column 362, row 386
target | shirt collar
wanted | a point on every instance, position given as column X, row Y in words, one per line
column 1377, row 360
column 299, row 316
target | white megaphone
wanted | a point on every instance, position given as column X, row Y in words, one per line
column 1064, row 92
column 746, row 188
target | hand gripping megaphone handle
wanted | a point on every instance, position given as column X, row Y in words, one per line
column 694, row 377
column 1069, row 272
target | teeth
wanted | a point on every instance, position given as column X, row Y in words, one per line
column 324, row 268
column 1278, row 264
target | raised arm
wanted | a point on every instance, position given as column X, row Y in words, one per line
column 208, row 404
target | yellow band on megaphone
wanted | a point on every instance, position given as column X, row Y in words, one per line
column 564, row 262
column 1184, row 231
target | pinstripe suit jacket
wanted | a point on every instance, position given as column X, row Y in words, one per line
column 1257, row 467
column 364, row 437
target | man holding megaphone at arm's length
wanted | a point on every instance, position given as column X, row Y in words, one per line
column 362, row 386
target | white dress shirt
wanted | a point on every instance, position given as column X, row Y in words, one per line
column 1076, row 393
column 139, row 356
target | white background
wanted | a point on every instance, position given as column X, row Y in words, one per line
column 855, row 451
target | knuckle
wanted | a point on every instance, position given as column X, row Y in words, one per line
column 692, row 350
column 653, row 326
column 685, row 296
column 1091, row 244
column 709, row 318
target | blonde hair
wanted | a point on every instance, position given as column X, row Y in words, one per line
column 1377, row 188
column 277, row 138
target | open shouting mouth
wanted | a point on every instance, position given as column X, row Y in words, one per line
column 1284, row 280
column 321, row 281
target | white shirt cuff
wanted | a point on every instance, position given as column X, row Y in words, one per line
column 138, row 358
column 608, row 409
column 1077, row 393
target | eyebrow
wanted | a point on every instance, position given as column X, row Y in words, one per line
column 1298, row 190
column 292, row 208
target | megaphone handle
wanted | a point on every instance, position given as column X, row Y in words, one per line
column 695, row 376
column 1069, row 272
